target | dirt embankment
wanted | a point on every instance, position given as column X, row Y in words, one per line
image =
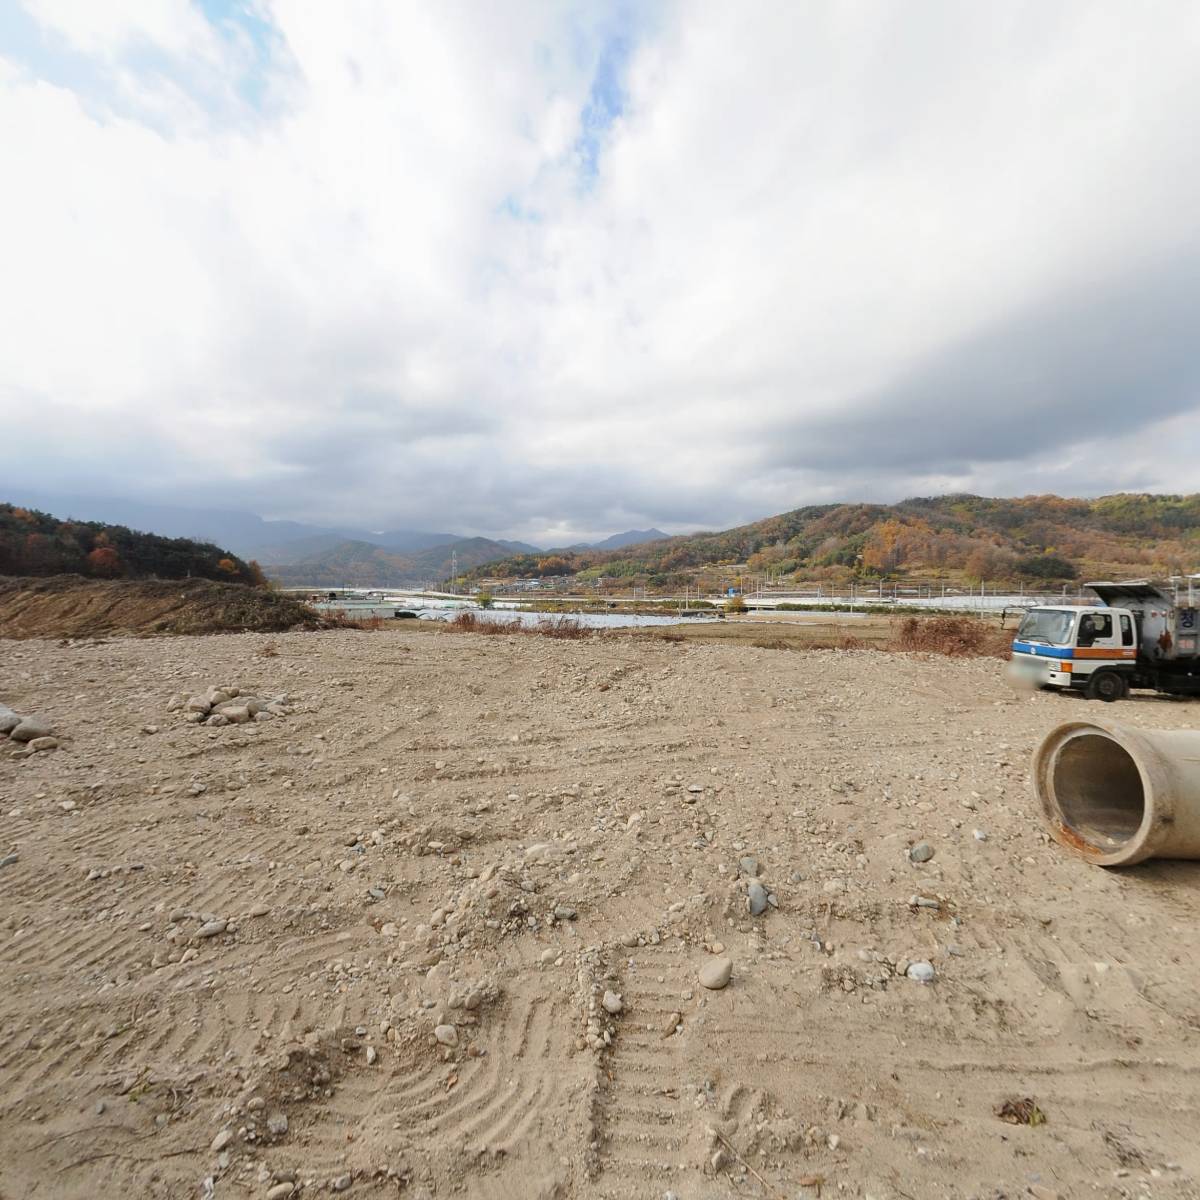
column 71, row 606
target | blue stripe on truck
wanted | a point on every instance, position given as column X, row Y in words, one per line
column 1043, row 651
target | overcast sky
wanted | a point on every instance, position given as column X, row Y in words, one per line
column 547, row 271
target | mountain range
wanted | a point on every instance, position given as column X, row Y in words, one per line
column 1035, row 539
column 631, row 537
column 298, row 553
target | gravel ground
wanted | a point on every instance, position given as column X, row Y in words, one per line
column 452, row 923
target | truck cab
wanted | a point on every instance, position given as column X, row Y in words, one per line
column 1085, row 647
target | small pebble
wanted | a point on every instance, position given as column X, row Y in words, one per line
column 447, row 1035
column 921, row 972
column 921, row 852
column 612, row 1003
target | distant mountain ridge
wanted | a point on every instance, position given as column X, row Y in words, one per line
column 1039, row 539
column 362, row 564
column 34, row 543
column 325, row 553
column 246, row 534
column 631, row 537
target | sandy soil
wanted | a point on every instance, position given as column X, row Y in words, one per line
column 489, row 834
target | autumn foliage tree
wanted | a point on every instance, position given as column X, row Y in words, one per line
column 104, row 561
column 35, row 543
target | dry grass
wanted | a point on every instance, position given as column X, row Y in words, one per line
column 563, row 628
column 339, row 618
column 269, row 650
column 956, row 637
column 846, row 643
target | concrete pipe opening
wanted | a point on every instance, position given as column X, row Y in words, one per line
column 1118, row 795
column 1098, row 791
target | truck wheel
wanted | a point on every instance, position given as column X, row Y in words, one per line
column 1107, row 686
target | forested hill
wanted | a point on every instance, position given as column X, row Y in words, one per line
column 35, row 543
column 1045, row 538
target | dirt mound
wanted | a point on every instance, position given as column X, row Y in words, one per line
column 71, row 606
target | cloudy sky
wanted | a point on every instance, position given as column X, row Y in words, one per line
column 548, row 270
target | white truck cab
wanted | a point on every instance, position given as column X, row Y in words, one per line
column 1144, row 633
column 1079, row 646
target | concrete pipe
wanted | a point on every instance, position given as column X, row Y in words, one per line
column 1118, row 795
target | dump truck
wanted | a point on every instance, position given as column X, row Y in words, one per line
column 1140, row 633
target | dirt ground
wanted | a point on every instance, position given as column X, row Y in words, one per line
column 486, row 836
column 71, row 606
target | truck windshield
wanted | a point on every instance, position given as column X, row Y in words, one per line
column 1050, row 625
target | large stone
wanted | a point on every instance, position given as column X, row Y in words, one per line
column 756, row 895
column 235, row 714
column 30, row 728
column 8, row 719
column 716, row 973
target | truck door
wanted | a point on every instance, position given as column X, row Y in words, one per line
column 1097, row 633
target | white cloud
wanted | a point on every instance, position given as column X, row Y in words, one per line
column 342, row 261
column 108, row 28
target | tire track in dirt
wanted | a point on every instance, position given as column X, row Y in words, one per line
column 645, row 1126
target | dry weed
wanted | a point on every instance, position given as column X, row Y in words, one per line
column 564, row 628
column 957, row 637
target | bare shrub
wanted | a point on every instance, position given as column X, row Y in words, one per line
column 843, row 643
column 269, row 650
column 957, row 637
column 468, row 622
column 339, row 618
column 560, row 627
column 566, row 628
